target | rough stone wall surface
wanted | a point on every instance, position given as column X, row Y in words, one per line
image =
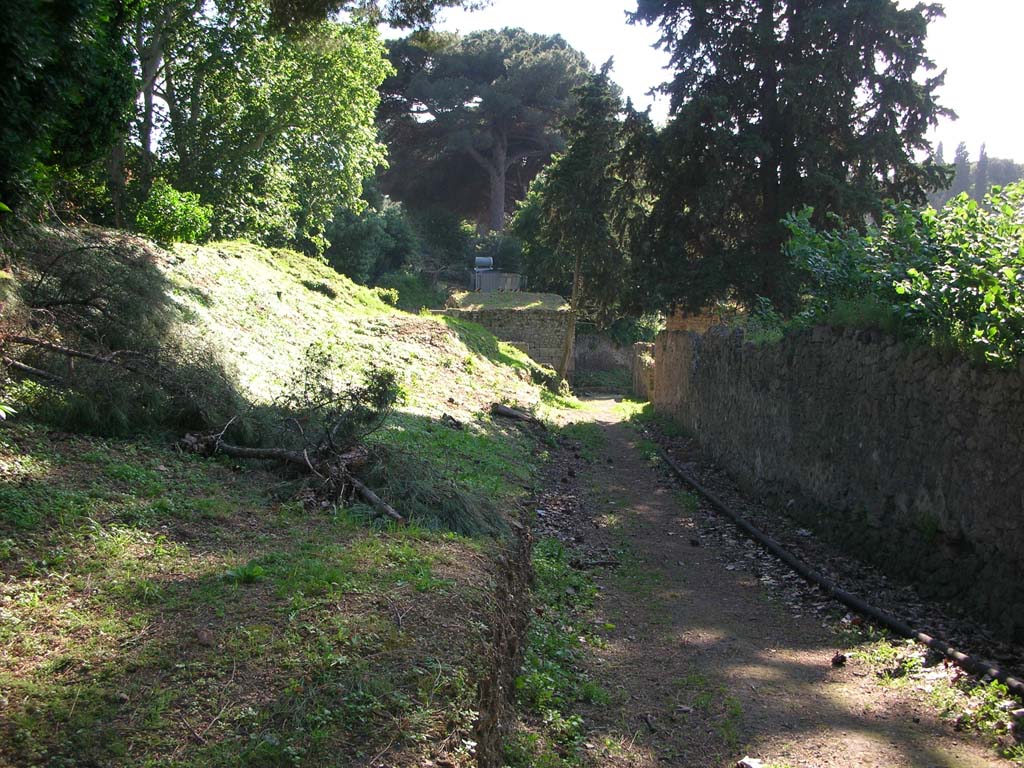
column 643, row 370
column 888, row 449
column 698, row 323
column 594, row 352
column 539, row 333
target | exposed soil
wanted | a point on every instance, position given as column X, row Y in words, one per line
column 711, row 656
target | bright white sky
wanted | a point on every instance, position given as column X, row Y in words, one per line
column 978, row 42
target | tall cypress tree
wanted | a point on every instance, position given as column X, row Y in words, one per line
column 778, row 104
column 981, row 175
column 961, row 171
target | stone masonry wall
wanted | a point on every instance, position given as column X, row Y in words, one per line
column 597, row 352
column 907, row 459
column 539, row 333
column 643, row 370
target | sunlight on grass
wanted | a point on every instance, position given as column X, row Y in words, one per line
column 475, row 301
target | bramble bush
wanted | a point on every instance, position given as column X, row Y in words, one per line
column 953, row 278
column 170, row 216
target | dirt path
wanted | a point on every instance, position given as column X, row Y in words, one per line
column 703, row 666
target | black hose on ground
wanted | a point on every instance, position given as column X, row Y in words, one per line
column 968, row 663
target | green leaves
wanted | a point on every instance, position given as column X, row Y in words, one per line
column 274, row 130
column 953, row 277
column 777, row 105
column 170, row 216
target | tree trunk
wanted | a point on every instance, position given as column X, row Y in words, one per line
column 499, row 167
column 118, row 180
column 570, row 325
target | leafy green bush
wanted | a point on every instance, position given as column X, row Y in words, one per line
column 952, row 278
column 628, row 330
column 376, row 241
column 170, row 216
column 388, row 295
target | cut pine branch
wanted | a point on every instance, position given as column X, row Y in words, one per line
column 335, row 467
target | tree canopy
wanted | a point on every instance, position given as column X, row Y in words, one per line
column 273, row 130
column 975, row 179
column 66, row 89
column 777, row 104
column 470, row 119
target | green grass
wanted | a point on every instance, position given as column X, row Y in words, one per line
column 551, row 681
column 319, row 633
column 715, row 704
column 588, row 436
column 472, row 300
column 150, row 595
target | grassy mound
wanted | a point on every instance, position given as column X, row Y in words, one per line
column 162, row 609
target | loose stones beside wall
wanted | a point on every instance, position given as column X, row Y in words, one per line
column 911, row 460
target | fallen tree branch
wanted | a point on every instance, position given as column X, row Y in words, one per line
column 110, row 359
column 28, row 370
column 375, row 501
column 511, row 413
column 334, row 468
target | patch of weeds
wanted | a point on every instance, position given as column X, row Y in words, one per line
column 896, row 661
column 976, row 706
column 38, row 505
column 981, row 707
column 530, row 750
column 559, row 400
column 551, row 681
column 649, row 450
column 715, row 704
column 633, row 576
column 250, row 573
column 687, row 500
column 588, row 435
column 141, row 481
column 396, row 563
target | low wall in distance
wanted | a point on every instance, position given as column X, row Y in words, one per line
column 540, row 333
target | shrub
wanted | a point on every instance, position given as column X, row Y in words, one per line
column 952, row 278
column 170, row 216
column 366, row 245
column 387, row 295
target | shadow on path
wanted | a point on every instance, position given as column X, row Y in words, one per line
column 704, row 667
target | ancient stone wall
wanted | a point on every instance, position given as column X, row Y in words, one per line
column 911, row 460
column 539, row 333
column 597, row 352
column 643, row 370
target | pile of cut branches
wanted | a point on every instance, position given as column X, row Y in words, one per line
column 316, row 428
